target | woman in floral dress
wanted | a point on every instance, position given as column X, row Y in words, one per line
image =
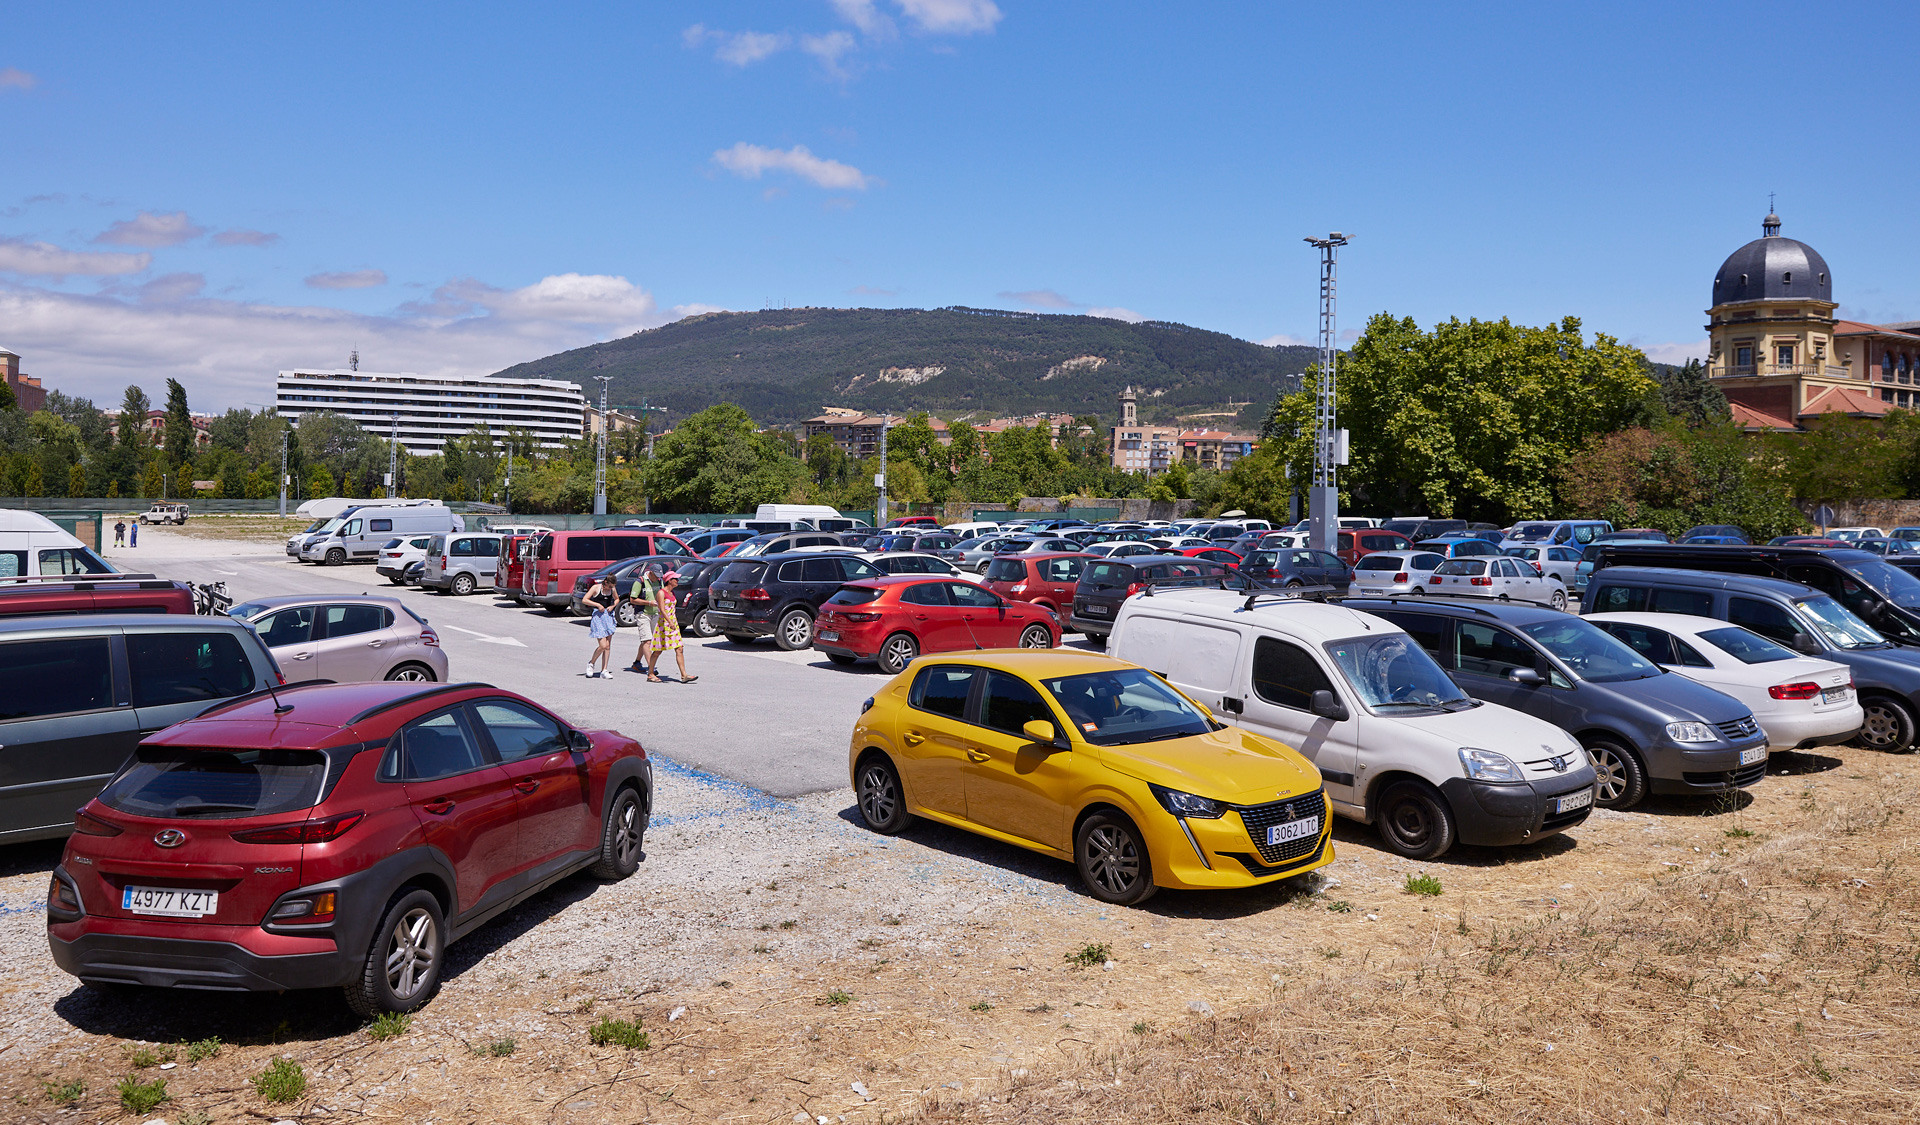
column 666, row 629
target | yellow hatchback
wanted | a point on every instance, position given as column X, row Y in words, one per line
column 1092, row 760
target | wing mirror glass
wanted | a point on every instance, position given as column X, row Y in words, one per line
column 1328, row 706
column 1525, row 676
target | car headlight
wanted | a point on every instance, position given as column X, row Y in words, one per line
column 1187, row 804
column 1488, row 765
column 1691, row 732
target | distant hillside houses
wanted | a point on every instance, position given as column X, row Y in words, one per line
column 857, row 433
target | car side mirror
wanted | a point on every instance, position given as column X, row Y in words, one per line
column 577, row 740
column 1805, row 642
column 1043, row 732
column 1328, row 706
column 1525, row 676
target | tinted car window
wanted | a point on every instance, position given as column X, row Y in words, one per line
column 1490, row 650
column 665, row 546
column 184, row 667
column 817, row 570
column 518, row 731
column 380, row 525
column 1107, row 574
column 1430, row 631
column 854, row 569
column 1427, row 561
column 926, row 593
column 1746, row 647
column 967, row 594
column 287, row 627
column 71, row 560
column 586, row 548
column 172, row 781
column 1286, row 674
column 943, row 690
column 347, row 620
column 1006, row 570
column 1010, row 703
column 856, row 595
column 55, row 677
column 440, row 746
column 1765, row 618
column 1378, row 562
column 1654, row 644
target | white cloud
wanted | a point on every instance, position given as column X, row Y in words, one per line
column 1127, row 315
column 43, row 259
column 1039, row 298
column 1674, row 353
column 13, row 78
column 348, row 279
column 171, row 287
column 749, row 161
column 242, row 237
column 738, row 48
column 1283, row 340
column 226, row 352
column 152, row 231
column 863, row 15
column 952, row 17
column 830, row 49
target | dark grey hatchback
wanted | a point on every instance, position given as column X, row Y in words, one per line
column 1105, row 583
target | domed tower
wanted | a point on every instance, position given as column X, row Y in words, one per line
column 1770, row 331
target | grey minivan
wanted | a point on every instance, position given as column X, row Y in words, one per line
column 76, row 694
column 1802, row 618
column 1648, row 729
column 461, row 564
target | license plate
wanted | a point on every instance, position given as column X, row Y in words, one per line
column 1099, row 610
column 829, row 635
column 723, row 604
column 1293, row 830
column 1749, row 757
column 169, row 902
column 1372, row 589
column 1834, row 695
column 1573, row 801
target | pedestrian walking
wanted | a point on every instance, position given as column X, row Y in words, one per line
column 133, row 534
column 120, row 534
column 601, row 599
column 641, row 595
column 666, row 629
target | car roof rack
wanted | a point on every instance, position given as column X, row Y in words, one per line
column 1293, row 594
column 116, row 576
column 1430, row 599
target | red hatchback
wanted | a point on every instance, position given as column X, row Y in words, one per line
column 1046, row 580
column 337, row 836
column 893, row 620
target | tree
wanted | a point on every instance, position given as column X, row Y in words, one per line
column 133, row 420
column 151, row 484
column 77, row 480
column 231, row 430
column 1840, row 458
column 1689, row 396
column 320, row 482
column 36, row 482
column 715, row 461
column 1674, row 478
column 178, row 439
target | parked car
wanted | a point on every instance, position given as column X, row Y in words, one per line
column 1560, row 562
column 357, row 535
column 624, row 574
column 972, row 529
column 107, row 593
column 1887, row 546
column 893, row 620
column 1180, row 542
column 1047, row 580
column 1106, row 583
column 917, row 562
column 1220, row 555
column 162, row 512
column 701, row 542
column 1634, row 535
column 1800, row 701
column 1798, row 617
column 1463, row 548
column 1552, row 533
column 1806, row 541
column 1418, row 528
column 1074, row 755
column 1911, row 534
column 401, row 560
column 779, row 595
column 1352, row 546
column 1646, row 729
column 1121, row 550
column 555, row 561
column 81, row 691
column 779, row 542
column 1372, row 710
column 1850, row 534
column 346, row 848
column 32, row 545
column 343, row 637
column 1394, row 572
column 1716, row 532
column 912, row 521
column 1499, row 578
column 1297, row 566
column 461, row 564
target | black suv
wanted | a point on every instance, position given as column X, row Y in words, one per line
column 76, row 694
column 1647, row 729
column 779, row 595
column 1105, row 583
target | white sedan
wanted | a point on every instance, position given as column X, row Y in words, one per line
column 1561, row 562
column 1497, row 576
column 1394, row 572
column 1798, row 700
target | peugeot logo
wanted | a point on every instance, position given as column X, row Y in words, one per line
column 169, row 837
column 1559, row 765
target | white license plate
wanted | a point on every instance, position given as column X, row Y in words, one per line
column 1099, row 610
column 169, row 902
column 1834, row 695
column 1749, row 757
column 829, row 635
column 1573, row 801
column 1373, row 589
column 1293, row 830
column 724, row 604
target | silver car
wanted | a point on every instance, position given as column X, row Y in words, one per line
column 1561, row 562
column 1394, row 572
column 346, row 637
column 461, row 563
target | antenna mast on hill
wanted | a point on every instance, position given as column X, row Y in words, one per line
column 600, row 453
column 1329, row 442
column 353, row 360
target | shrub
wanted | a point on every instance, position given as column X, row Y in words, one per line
column 282, row 1081
column 138, row 1097
column 1422, row 885
column 66, row 1093
column 203, row 1048
column 389, row 1025
column 1091, row 954
column 620, row 1033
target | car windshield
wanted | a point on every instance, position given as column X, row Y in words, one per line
column 1531, row 532
column 1592, row 654
column 1841, row 628
column 1745, row 646
column 168, row 781
column 1125, row 706
column 1900, row 586
column 247, row 610
column 1393, row 675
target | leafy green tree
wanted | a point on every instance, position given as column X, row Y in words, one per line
column 133, row 420
column 1689, row 396
column 963, row 446
column 7, row 402
column 320, row 482
column 151, row 484
column 1840, row 458
column 36, row 481
column 77, row 480
column 178, row 438
column 1674, row 478
column 715, row 461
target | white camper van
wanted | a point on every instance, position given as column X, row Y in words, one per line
column 31, row 544
column 818, row 517
column 358, row 534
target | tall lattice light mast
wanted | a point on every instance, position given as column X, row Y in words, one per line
column 1329, row 441
column 600, row 453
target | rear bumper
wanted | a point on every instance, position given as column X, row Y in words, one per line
column 1496, row 815
column 226, row 966
column 733, row 621
column 551, row 601
column 1819, row 728
column 1080, row 624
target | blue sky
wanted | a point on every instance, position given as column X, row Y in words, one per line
column 220, row 191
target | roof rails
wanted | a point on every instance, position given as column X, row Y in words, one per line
column 436, row 689
column 1293, row 594
column 1454, row 600
column 116, row 576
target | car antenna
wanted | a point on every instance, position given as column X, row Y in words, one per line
column 279, row 708
column 968, row 622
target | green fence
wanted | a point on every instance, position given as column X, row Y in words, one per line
column 1091, row 515
column 84, row 526
column 580, row 521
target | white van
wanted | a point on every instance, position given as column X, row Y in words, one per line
column 31, row 544
column 359, row 534
column 1399, row 745
column 814, row 517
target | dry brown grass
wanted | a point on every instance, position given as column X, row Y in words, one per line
column 1772, row 984
column 243, row 528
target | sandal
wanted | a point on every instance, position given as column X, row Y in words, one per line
column 655, row 680
column 688, row 679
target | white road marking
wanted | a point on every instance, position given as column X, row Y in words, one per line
column 488, row 638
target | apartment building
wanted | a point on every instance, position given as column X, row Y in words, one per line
column 426, row 410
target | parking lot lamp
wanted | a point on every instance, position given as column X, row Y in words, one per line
column 600, row 453
column 1329, row 442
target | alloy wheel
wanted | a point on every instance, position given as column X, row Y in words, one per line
column 898, row 652
column 1112, row 859
column 879, row 797
column 1036, row 636
column 1612, row 774
column 626, row 840
column 1558, row 600
column 412, row 674
column 797, row 630
column 410, row 953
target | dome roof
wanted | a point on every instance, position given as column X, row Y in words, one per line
column 1772, row 268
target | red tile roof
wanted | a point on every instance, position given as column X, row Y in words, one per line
column 1747, row 418
column 1844, row 400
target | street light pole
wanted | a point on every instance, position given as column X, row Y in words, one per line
column 393, row 454
column 600, row 453
column 1329, row 443
column 880, row 478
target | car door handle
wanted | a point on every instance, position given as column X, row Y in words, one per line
column 438, row 808
column 302, row 655
column 1229, row 703
column 375, row 644
column 978, row 755
column 527, row 785
column 912, row 737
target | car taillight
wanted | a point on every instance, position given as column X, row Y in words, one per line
column 553, row 576
column 1402, row 577
column 1135, row 587
column 861, row 616
column 301, row 831
column 1806, row 689
column 88, row 824
column 429, row 637
column 443, row 562
column 756, row 594
column 1482, row 581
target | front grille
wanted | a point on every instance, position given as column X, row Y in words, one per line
column 1258, row 818
column 1725, row 779
column 1739, row 729
column 1556, row 821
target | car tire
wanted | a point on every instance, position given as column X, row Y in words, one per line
column 462, row 585
column 1097, row 640
column 1889, row 725
column 336, row 557
column 703, row 625
column 1112, row 859
column 397, row 579
column 1558, row 600
column 742, row 638
column 412, row 672
column 626, row 616
column 795, row 630
column 1294, row 584
column 1036, row 636
column 621, row 838
column 402, row 967
column 879, row 796
column 1622, row 779
column 552, row 610
column 842, row 658
column 1505, row 598
column 1414, row 820
column 896, row 652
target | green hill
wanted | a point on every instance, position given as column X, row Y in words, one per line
column 784, row 365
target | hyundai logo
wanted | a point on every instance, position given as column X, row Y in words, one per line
column 169, row 837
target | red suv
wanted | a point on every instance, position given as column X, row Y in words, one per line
column 893, row 620
column 109, row 593
column 337, row 835
column 1356, row 545
column 1046, row 580
column 913, row 521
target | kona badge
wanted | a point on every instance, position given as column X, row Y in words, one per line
column 169, row 837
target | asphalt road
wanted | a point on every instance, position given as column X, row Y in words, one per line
column 778, row 721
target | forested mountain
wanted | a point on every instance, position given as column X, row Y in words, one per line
column 783, row 365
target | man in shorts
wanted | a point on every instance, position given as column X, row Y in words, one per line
column 642, row 595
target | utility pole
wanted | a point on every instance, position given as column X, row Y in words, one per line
column 509, row 477
column 880, row 478
column 1329, row 442
column 393, row 454
column 647, row 411
column 286, row 432
column 600, row 453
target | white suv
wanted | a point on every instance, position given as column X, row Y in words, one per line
column 1399, row 745
column 401, row 560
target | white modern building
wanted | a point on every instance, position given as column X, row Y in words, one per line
column 429, row 409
